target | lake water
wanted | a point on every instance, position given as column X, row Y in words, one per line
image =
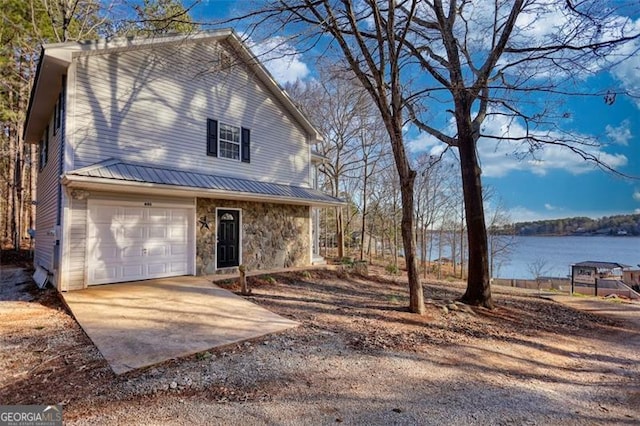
column 558, row 253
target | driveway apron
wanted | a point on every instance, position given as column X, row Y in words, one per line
column 142, row 323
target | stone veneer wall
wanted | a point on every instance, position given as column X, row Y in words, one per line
column 273, row 235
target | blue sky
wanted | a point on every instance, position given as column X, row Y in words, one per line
column 559, row 183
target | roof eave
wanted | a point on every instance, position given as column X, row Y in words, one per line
column 44, row 92
column 116, row 185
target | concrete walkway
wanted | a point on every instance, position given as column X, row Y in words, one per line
column 142, row 323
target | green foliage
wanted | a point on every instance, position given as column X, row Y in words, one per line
column 270, row 279
column 163, row 17
column 392, row 269
column 608, row 225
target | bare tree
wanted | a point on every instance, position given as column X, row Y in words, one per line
column 483, row 60
column 371, row 139
column 501, row 237
column 371, row 41
column 334, row 104
column 486, row 63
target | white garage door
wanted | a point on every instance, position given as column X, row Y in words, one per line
column 129, row 243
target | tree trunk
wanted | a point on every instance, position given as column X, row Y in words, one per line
column 478, row 286
column 339, row 232
column 395, row 232
column 440, row 236
column 364, row 212
column 454, row 250
column 416, row 296
column 423, row 249
column 462, row 245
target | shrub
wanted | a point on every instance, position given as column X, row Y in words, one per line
column 392, row 269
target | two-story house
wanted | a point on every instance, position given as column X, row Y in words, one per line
column 167, row 156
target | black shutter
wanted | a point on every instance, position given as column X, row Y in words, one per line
column 212, row 137
column 245, row 146
column 55, row 118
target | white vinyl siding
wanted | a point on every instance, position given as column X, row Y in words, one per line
column 77, row 244
column 47, row 204
column 152, row 105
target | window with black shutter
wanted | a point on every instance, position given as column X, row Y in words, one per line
column 58, row 112
column 246, row 145
column 212, row 137
column 44, row 150
column 227, row 141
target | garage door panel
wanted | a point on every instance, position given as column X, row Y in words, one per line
column 134, row 214
column 132, row 252
column 177, row 234
column 157, row 268
column 106, row 253
column 159, row 216
column 178, row 268
column 106, row 273
column 179, row 250
column 178, row 215
column 104, row 214
column 135, row 270
column 103, row 230
column 134, row 232
column 157, row 232
column 133, row 243
column 158, row 251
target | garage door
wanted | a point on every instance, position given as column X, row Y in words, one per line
column 129, row 243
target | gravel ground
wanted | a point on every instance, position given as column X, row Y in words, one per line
column 357, row 358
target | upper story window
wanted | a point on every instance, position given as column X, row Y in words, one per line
column 314, row 176
column 228, row 141
column 43, row 148
column 58, row 112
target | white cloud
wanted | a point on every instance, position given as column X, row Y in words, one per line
column 637, row 211
column 282, row 60
column 550, row 207
column 424, row 142
column 628, row 70
column 636, row 195
column 523, row 214
column 499, row 157
column 503, row 156
column 619, row 135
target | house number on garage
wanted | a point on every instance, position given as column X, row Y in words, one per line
column 148, row 204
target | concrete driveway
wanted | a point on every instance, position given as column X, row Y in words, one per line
column 143, row 323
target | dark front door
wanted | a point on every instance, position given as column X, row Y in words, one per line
column 228, row 247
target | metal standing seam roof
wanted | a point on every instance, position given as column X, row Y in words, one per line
column 121, row 171
column 601, row 265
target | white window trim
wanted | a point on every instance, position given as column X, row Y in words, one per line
column 220, row 140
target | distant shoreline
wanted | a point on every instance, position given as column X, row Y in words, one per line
column 572, row 235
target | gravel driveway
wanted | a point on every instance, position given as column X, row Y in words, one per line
column 357, row 358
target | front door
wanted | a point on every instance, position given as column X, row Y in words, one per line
column 228, row 247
